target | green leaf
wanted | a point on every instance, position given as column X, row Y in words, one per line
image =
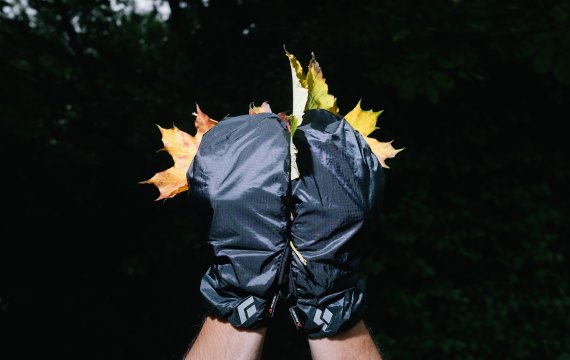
column 561, row 68
column 542, row 61
column 443, row 81
column 431, row 93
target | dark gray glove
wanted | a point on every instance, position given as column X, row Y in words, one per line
column 241, row 173
column 339, row 190
column 241, row 176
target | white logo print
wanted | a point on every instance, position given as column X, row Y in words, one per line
column 246, row 309
column 323, row 318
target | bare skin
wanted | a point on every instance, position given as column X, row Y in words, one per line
column 220, row 340
column 353, row 344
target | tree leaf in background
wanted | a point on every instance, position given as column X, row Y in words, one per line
column 443, row 81
column 542, row 60
column 561, row 69
column 431, row 92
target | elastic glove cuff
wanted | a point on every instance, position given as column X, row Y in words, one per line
column 241, row 310
column 334, row 313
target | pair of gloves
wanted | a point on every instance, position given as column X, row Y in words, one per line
column 274, row 238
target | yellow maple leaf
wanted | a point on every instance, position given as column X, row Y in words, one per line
column 319, row 97
column 310, row 91
column 363, row 121
column 315, row 83
column 182, row 147
column 297, row 68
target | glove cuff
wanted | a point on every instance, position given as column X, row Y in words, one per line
column 334, row 313
column 241, row 310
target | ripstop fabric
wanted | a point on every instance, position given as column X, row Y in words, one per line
column 337, row 193
column 241, row 174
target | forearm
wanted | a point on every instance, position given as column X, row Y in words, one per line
column 353, row 344
column 220, row 340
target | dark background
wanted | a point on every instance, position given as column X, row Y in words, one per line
column 470, row 260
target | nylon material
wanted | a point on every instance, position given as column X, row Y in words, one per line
column 272, row 262
column 323, row 230
column 226, row 303
column 340, row 182
column 215, row 294
column 325, row 191
column 232, row 276
column 241, row 170
column 321, row 227
column 262, row 245
column 227, row 237
column 241, row 214
column 226, row 276
column 338, row 164
column 371, row 169
column 224, row 300
column 338, row 218
column 305, row 286
column 259, row 284
column 334, row 153
column 321, row 277
column 351, row 139
column 247, row 261
column 316, row 198
column 230, row 126
column 254, row 321
column 235, row 215
column 314, row 240
column 239, row 179
column 275, row 220
column 195, row 176
column 338, row 298
column 347, row 308
column 241, row 176
column 331, row 278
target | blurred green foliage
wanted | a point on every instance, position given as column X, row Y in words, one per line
column 470, row 257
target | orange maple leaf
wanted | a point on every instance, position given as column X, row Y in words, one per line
column 182, row 147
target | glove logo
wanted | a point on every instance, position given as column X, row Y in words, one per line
column 246, row 309
column 295, row 317
column 323, row 318
column 271, row 308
